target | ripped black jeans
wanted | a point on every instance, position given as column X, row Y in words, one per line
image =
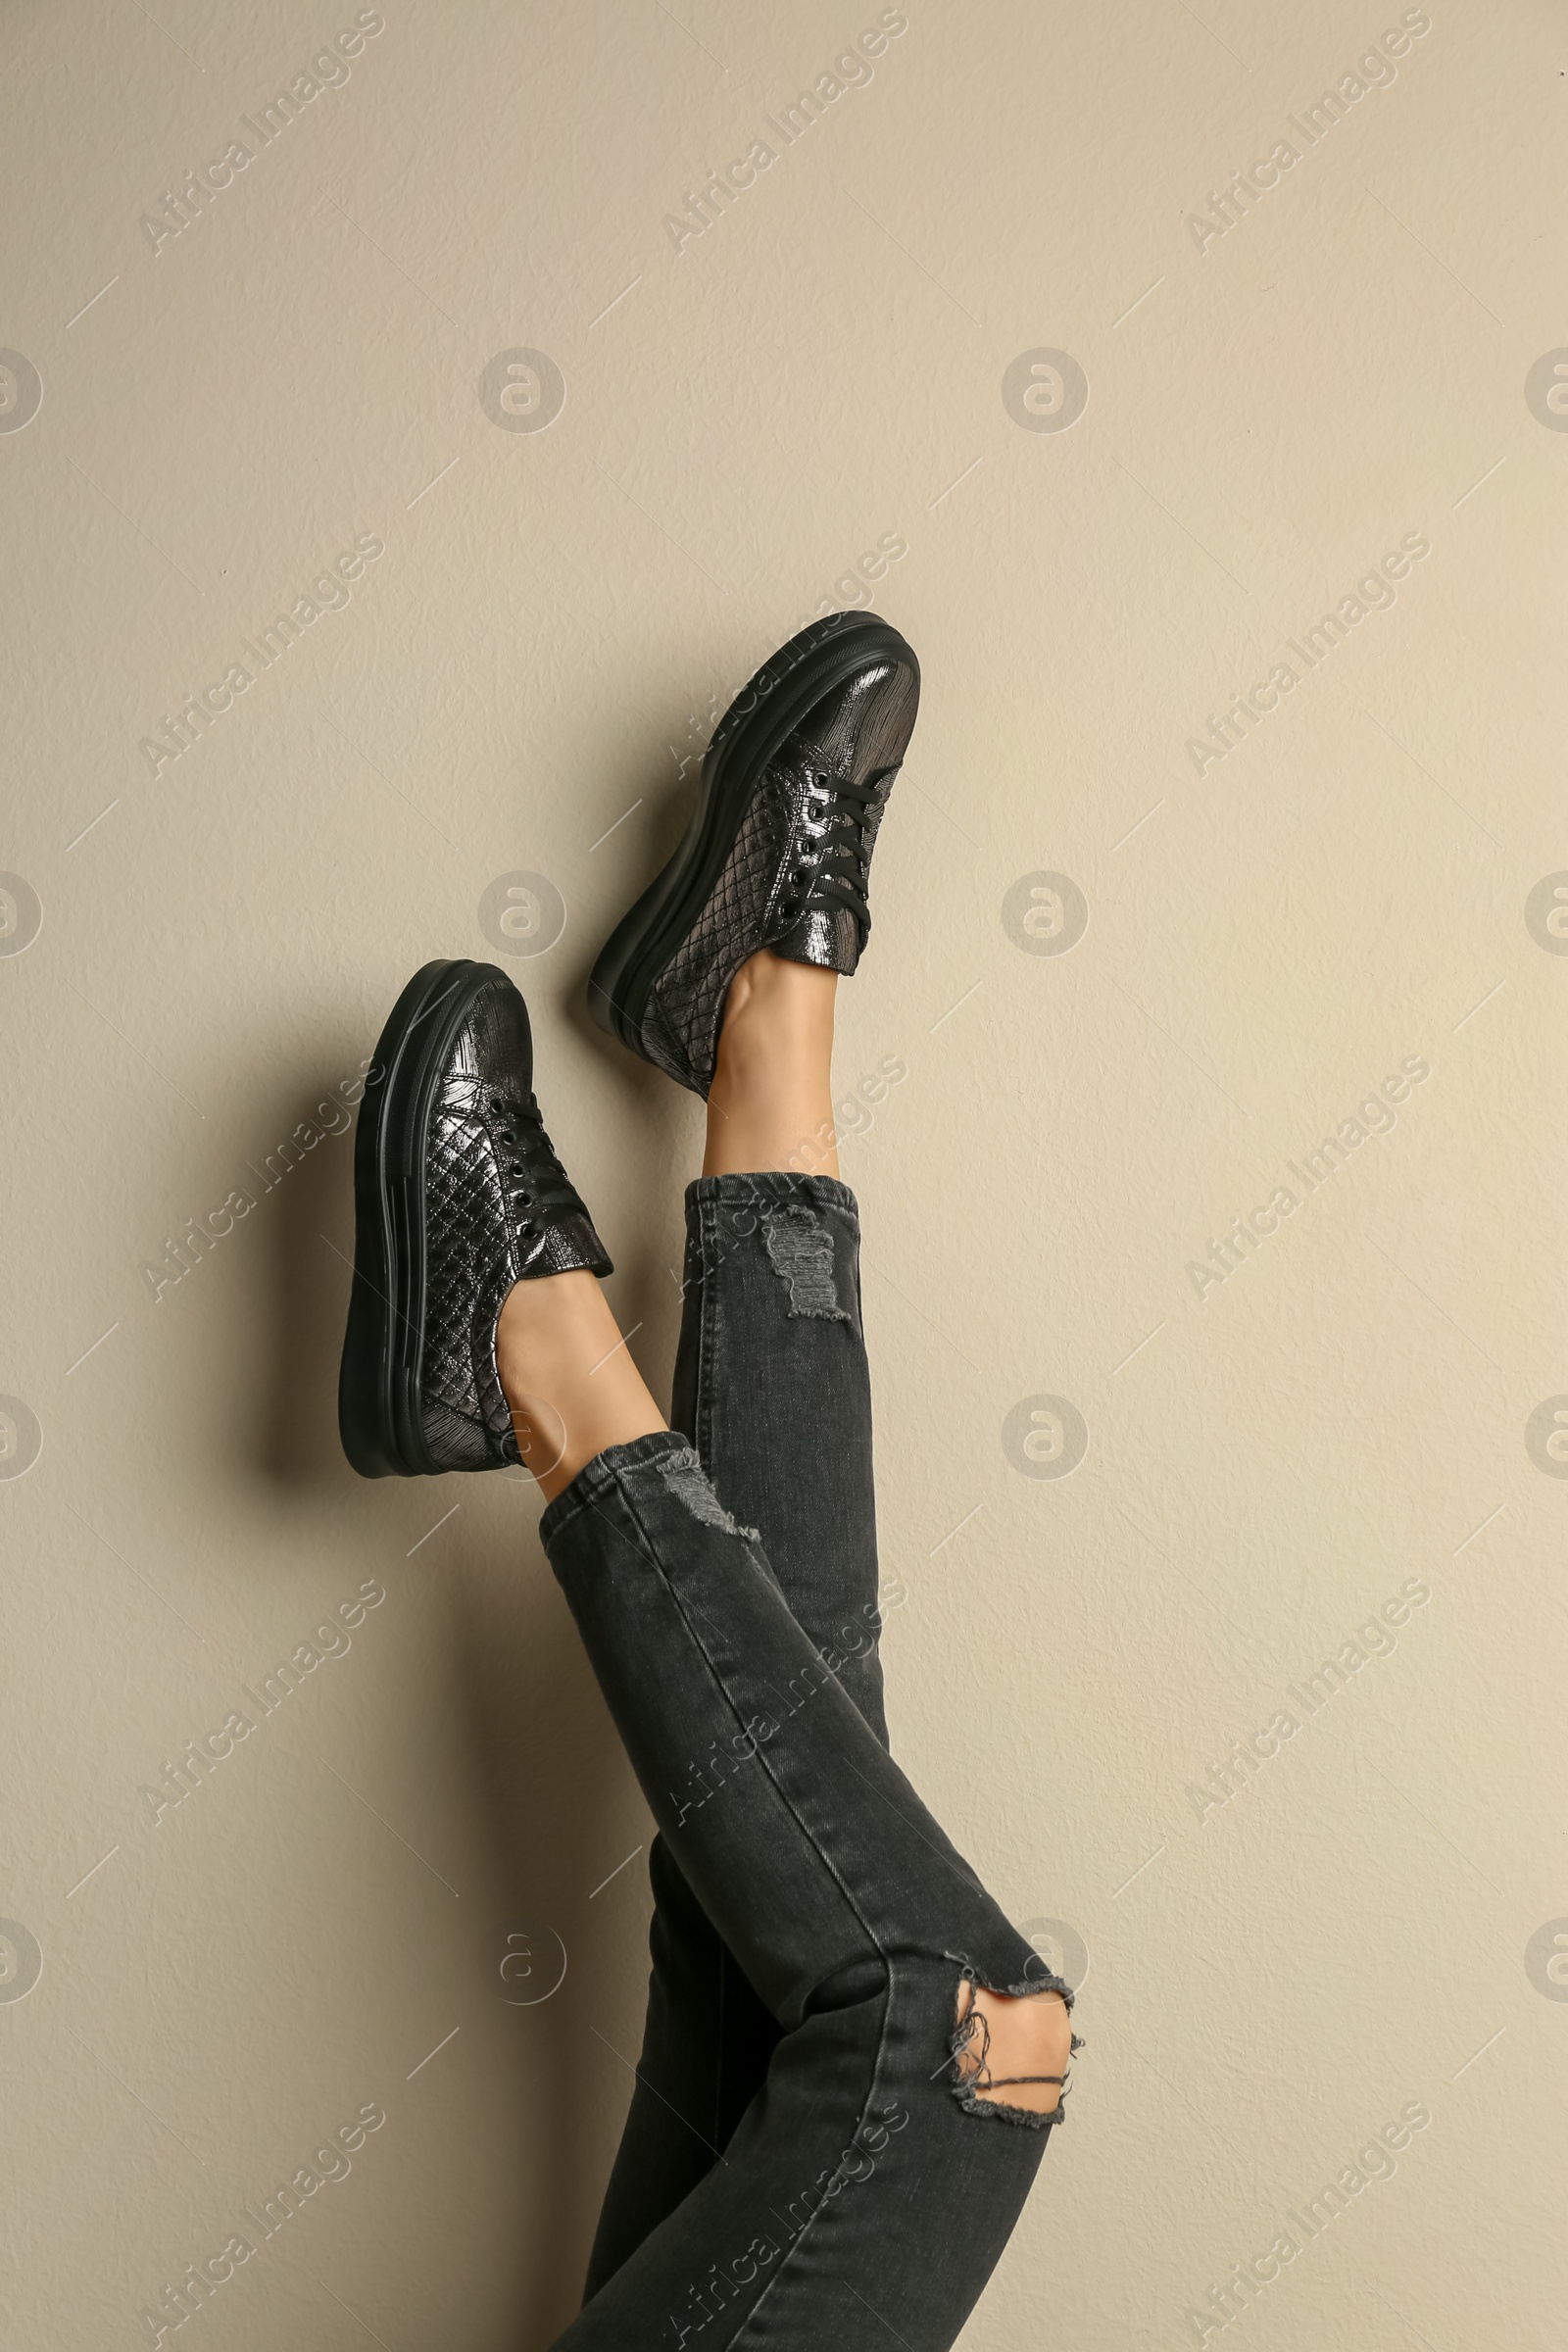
column 806, row 2162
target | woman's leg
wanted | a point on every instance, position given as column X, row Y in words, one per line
column 722, row 975
column 770, row 1373
column 876, row 2170
column 776, row 858
column 773, row 1378
column 863, row 1931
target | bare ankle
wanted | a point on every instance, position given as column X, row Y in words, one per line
column 779, row 989
column 770, row 1105
column 572, row 1386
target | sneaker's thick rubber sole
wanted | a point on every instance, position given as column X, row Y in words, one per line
column 378, row 1396
column 759, row 719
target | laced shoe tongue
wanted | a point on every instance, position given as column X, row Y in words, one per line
column 822, row 904
column 834, row 862
column 531, row 1162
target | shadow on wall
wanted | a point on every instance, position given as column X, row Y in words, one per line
column 538, row 1772
column 551, row 1785
column 662, row 804
column 308, row 1229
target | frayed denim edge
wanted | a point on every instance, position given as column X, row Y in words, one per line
column 999, row 2109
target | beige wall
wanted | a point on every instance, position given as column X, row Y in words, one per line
column 841, row 362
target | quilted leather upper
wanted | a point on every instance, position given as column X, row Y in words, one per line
column 497, row 1208
column 859, row 733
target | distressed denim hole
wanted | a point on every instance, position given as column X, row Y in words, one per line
column 687, row 1481
column 799, row 1250
column 1010, row 2051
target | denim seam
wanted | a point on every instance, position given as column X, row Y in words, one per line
column 706, row 1333
column 591, row 1482
column 652, row 1552
column 784, row 1183
column 599, row 1484
column 725, row 1961
column 581, row 1503
column 738, row 2340
column 706, row 1351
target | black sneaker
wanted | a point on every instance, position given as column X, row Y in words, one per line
column 778, row 852
column 457, row 1195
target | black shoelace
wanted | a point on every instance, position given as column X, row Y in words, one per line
column 534, row 1179
column 832, row 866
